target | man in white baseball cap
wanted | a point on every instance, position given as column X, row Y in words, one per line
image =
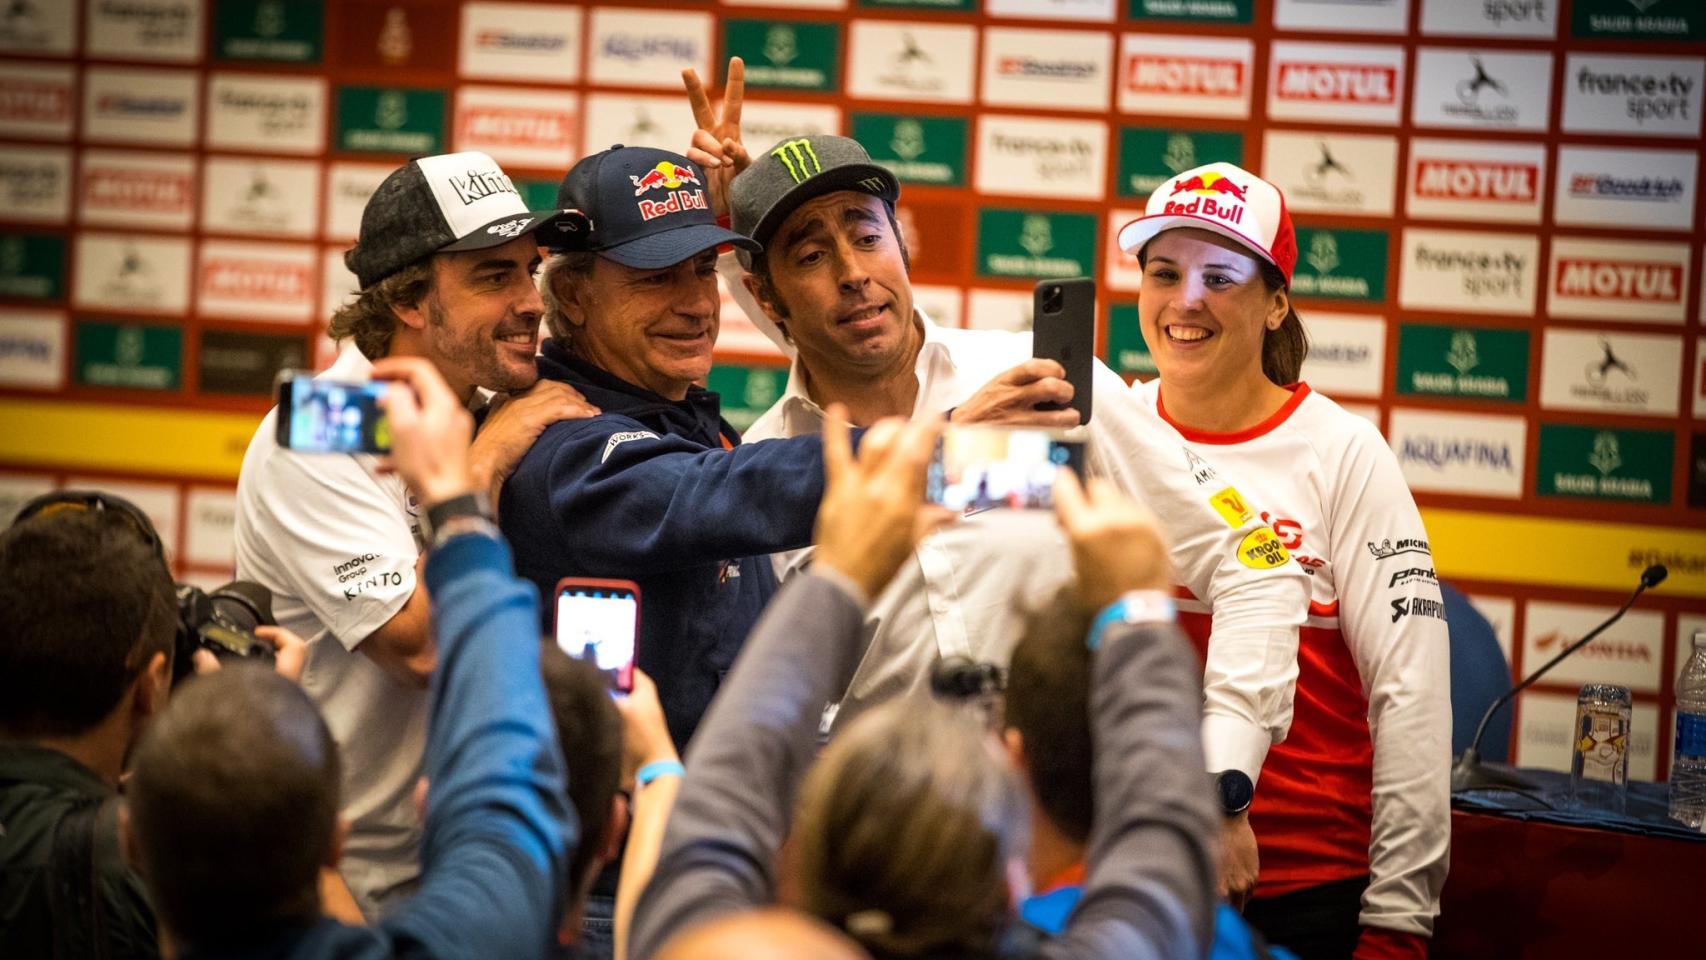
column 445, row 260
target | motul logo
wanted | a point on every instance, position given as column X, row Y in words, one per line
column 157, row 191
column 1476, row 180
column 1338, row 83
column 35, row 102
column 1184, row 76
column 516, row 127
column 1620, row 280
column 254, row 280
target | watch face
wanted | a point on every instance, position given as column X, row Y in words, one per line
column 1236, row 791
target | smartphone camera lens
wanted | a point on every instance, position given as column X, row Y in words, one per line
column 1053, row 299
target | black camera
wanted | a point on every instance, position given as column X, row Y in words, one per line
column 223, row 621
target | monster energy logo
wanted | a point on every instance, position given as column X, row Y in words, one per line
column 794, row 154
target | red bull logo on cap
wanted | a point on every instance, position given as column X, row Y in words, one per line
column 664, row 176
column 1209, row 195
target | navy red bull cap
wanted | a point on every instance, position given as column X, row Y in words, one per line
column 1225, row 199
column 650, row 208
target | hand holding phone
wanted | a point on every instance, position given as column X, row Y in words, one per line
column 985, row 468
column 599, row 621
column 1064, row 330
column 331, row 416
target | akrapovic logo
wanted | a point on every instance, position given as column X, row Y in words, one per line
column 1477, row 180
column 1184, row 76
column 1620, row 280
column 1373, row 84
column 480, row 184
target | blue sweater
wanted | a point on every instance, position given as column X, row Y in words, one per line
column 494, row 857
column 662, row 493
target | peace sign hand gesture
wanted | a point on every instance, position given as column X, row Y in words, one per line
column 716, row 144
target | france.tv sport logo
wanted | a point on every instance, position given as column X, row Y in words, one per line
column 665, row 175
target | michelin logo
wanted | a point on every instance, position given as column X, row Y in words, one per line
column 624, row 437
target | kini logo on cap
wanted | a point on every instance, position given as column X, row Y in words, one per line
column 1225, row 199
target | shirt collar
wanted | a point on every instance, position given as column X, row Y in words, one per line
column 28, row 763
column 934, row 363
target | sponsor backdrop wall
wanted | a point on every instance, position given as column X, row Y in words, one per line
column 1498, row 202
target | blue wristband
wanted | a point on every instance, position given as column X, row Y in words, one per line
column 659, row 768
column 1138, row 606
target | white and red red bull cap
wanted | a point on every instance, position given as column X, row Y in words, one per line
column 1225, row 199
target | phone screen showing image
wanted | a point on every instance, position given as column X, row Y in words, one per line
column 987, row 468
column 600, row 624
column 326, row 416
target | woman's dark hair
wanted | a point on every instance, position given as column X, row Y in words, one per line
column 1283, row 349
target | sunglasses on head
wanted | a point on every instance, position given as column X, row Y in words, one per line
column 91, row 501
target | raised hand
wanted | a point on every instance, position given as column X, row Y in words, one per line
column 1115, row 545
column 716, row 144
column 1011, row 397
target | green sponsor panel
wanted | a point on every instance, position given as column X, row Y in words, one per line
column 746, row 392
column 32, row 266
column 277, row 31
column 785, row 54
column 1199, row 11
column 390, row 120
column 1035, row 244
column 1675, row 21
column 232, row 361
column 538, row 194
column 1604, row 464
column 1128, row 352
column 129, row 355
column 918, row 4
column 1150, row 156
column 1476, row 362
column 928, row 150
column 1340, row 264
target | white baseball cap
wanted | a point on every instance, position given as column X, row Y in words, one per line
column 1225, row 199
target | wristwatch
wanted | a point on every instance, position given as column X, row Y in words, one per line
column 1235, row 791
column 468, row 513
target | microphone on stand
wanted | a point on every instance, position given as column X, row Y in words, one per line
column 1469, row 772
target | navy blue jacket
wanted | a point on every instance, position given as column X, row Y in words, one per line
column 647, row 491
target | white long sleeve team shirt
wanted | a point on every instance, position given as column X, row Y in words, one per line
column 1372, row 718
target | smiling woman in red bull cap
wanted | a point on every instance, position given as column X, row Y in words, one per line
column 1349, row 813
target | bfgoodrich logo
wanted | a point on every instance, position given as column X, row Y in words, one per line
column 1653, row 188
column 1060, row 69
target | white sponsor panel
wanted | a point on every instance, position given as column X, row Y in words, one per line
column 1347, row 354
column 1332, row 172
column 1343, row 16
column 1629, row 653
column 737, row 335
column 765, row 123
column 999, row 309
column 32, row 350
column 537, row 42
column 1598, row 279
column 1335, row 82
column 1622, row 186
column 1546, row 728
column 348, row 188
column 1633, row 95
column 17, row 489
column 1102, row 10
column 1501, row 614
column 1208, row 77
column 888, row 60
column 266, row 113
column 519, row 127
column 139, row 106
column 648, row 48
column 1479, row 272
column 39, row 28
column 37, row 101
column 135, row 189
column 795, row 4
column 338, row 286
column 1120, row 270
column 1612, row 371
column 1460, row 452
column 211, row 516
column 943, row 305
column 131, row 273
column 1475, row 180
column 35, row 183
column 1059, row 69
column 1041, row 157
column 1490, row 18
column 143, row 29
column 264, row 281
column 638, row 119
column 1481, row 89
column 277, row 198
column 157, row 501
column 1700, row 379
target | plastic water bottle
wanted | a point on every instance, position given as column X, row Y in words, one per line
column 1688, row 766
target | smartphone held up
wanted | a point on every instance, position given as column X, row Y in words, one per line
column 316, row 415
column 980, row 468
column 599, row 621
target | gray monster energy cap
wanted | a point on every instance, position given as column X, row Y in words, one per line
column 795, row 171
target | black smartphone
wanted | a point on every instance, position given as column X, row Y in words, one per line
column 599, row 620
column 331, row 416
column 980, row 468
column 1063, row 324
